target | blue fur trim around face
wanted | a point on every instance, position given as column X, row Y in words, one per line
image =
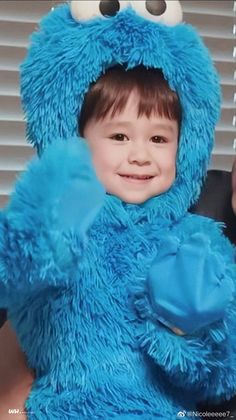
column 66, row 56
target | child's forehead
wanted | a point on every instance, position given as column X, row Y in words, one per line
column 137, row 106
column 144, row 93
column 131, row 109
column 128, row 118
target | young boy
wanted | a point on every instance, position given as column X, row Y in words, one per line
column 125, row 298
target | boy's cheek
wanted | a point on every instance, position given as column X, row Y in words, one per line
column 102, row 169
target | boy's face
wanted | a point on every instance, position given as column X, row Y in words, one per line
column 134, row 158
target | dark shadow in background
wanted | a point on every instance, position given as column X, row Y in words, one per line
column 215, row 202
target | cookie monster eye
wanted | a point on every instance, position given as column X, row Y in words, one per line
column 109, row 7
column 156, row 8
column 168, row 12
column 82, row 10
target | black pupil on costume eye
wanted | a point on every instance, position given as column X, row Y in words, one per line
column 156, row 7
column 109, row 7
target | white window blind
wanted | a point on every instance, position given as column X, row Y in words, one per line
column 216, row 23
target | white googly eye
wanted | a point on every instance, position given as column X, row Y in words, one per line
column 84, row 10
column 168, row 12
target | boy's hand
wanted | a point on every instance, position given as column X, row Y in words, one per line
column 188, row 284
column 177, row 331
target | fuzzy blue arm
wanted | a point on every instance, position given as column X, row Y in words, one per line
column 44, row 227
column 191, row 286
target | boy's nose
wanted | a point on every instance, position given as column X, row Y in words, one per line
column 139, row 154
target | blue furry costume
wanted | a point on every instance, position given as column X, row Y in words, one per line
column 91, row 297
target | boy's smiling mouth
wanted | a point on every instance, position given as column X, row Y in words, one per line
column 136, row 178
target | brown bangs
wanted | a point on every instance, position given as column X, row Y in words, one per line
column 110, row 94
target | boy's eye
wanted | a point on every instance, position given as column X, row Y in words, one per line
column 158, row 139
column 118, row 137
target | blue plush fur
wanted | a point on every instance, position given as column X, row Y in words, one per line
column 80, row 306
column 67, row 56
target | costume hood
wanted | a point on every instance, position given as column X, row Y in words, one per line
column 76, row 43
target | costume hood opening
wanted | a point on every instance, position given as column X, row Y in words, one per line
column 75, row 45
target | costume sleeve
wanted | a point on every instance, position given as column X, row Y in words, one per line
column 191, row 286
column 43, row 230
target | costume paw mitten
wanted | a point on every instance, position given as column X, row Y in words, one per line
column 44, row 227
column 82, row 195
column 189, row 284
column 59, row 191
